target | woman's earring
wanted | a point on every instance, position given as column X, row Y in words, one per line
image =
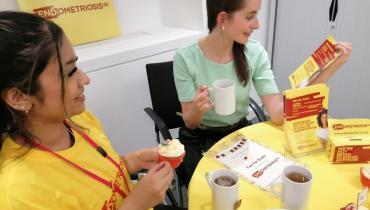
column 26, row 111
column 222, row 28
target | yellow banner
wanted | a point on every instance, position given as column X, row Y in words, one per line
column 83, row 21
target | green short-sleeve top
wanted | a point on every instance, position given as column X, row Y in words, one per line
column 192, row 69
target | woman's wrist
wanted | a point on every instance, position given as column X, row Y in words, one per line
column 130, row 162
column 129, row 203
column 193, row 117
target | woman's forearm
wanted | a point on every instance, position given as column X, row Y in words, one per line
column 275, row 107
column 131, row 203
column 345, row 49
column 192, row 117
column 327, row 73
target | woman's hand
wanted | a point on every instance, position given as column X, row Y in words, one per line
column 202, row 103
column 141, row 159
column 193, row 111
column 151, row 189
column 345, row 49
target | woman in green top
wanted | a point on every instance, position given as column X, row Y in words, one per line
column 227, row 53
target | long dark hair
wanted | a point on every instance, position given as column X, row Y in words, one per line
column 229, row 6
column 27, row 44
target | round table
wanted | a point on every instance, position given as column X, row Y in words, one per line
column 333, row 186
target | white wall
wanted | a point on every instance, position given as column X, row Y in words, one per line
column 263, row 35
column 133, row 16
column 118, row 95
column 176, row 8
column 264, row 17
column 303, row 25
column 8, row 5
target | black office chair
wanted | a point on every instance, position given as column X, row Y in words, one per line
column 166, row 106
column 164, row 98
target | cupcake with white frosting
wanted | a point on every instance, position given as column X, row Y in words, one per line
column 172, row 151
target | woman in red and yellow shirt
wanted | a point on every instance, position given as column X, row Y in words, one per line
column 53, row 152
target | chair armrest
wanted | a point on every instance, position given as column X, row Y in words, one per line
column 137, row 176
column 159, row 123
column 257, row 110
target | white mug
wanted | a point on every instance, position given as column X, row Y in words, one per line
column 223, row 96
column 296, row 186
column 223, row 197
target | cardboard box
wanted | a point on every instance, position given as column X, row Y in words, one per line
column 349, row 141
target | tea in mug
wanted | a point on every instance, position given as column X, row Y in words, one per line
column 225, row 181
column 297, row 177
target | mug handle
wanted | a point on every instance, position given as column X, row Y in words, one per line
column 273, row 188
column 209, row 178
column 211, row 92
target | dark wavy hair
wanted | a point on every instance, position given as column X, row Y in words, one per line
column 321, row 113
column 214, row 7
column 27, row 44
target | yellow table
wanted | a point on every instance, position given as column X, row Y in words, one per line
column 333, row 187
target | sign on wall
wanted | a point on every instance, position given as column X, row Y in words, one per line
column 83, row 21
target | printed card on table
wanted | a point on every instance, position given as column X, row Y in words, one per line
column 254, row 162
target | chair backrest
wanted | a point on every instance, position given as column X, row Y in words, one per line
column 163, row 93
column 165, row 101
column 166, row 105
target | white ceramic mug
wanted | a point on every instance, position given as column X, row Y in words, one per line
column 223, row 96
column 294, row 193
column 223, row 197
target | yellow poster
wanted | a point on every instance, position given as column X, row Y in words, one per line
column 83, row 21
column 305, row 119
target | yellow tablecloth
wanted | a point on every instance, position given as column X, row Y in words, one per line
column 333, row 187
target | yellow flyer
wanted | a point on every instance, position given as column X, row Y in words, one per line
column 305, row 119
column 83, row 21
column 319, row 60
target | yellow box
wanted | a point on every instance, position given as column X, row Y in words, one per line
column 349, row 141
column 83, row 21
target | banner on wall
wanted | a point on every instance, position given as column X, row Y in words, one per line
column 83, row 21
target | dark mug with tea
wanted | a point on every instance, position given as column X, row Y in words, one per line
column 296, row 186
column 225, row 189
